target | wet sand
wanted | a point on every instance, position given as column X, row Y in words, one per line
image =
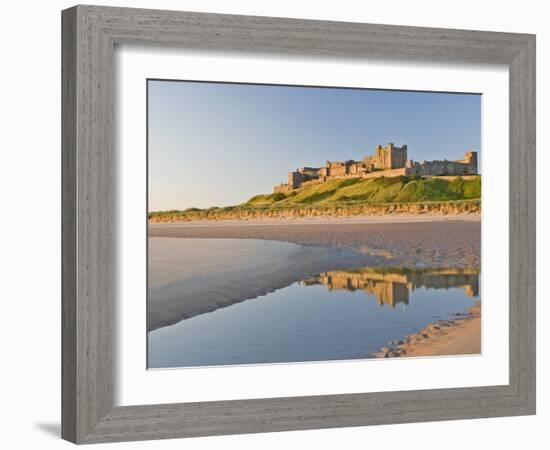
column 461, row 336
column 188, row 277
column 419, row 241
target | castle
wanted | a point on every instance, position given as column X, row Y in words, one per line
column 393, row 288
column 387, row 161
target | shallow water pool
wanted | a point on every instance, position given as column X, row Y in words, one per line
column 337, row 315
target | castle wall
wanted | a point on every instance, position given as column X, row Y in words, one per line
column 386, row 292
column 385, row 173
column 283, row 188
column 355, row 168
column 468, row 281
column 434, row 168
column 295, row 179
column 392, row 288
column 387, row 161
column 337, row 170
column 314, row 171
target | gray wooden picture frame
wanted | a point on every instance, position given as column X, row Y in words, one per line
column 90, row 34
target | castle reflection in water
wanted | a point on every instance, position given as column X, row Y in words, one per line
column 391, row 286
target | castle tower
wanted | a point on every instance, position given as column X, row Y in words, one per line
column 387, row 157
column 471, row 158
column 398, row 156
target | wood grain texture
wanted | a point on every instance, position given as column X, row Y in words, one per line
column 89, row 36
column 68, row 225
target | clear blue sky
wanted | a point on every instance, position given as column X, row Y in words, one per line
column 219, row 144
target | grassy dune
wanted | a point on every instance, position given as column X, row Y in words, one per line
column 377, row 190
column 349, row 197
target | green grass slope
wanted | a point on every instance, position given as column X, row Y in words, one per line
column 376, row 190
column 349, row 197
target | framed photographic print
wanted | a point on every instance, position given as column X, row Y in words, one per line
column 268, row 222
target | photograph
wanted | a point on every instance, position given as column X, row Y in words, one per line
column 275, row 225
column 293, row 224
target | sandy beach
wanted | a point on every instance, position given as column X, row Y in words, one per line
column 461, row 336
column 193, row 266
column 417, row 241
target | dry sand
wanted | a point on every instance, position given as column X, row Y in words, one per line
column 446, row 337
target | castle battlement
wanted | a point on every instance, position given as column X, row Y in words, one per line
column 387, row 161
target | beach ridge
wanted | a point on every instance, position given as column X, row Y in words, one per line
column 436, row 208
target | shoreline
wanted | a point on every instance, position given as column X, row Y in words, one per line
column 460, row 336
column 365, row 219
column 428, row 242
